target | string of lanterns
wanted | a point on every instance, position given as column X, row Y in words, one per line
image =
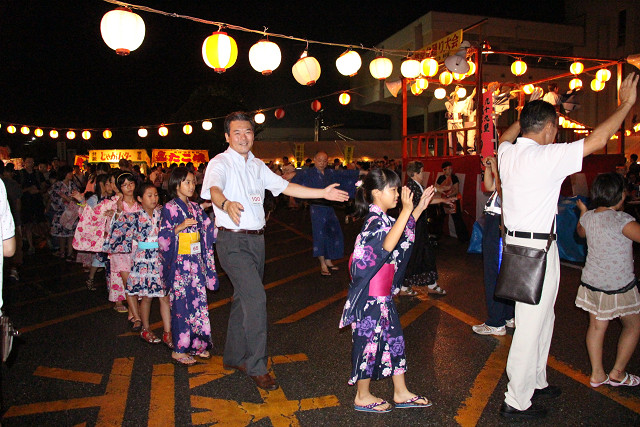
column 143, row 131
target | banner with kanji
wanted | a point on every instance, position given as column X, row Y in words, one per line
column 299, row 154
column 348, row 154
column 446, row 46
column 176, row 156
column 114, row 156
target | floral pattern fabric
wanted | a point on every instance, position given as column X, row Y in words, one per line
column 59, row 205
column 144, row 279
column 119, row 261
column 186, row 276
column 378, row 342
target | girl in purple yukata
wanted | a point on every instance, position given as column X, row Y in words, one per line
column 137, row 233
column 377, row 268
column 186, row 242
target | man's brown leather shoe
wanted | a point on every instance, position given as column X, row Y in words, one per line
column 240, row 368
column 265, row 382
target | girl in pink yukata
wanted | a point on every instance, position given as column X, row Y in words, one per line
column 137, row 233
column 377, row 268
column 121, row 264
column 186, row 242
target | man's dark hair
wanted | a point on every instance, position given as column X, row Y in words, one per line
column 446, row 164
column 633, row 157
column 607, row 190
column 552, row 87
column 237, row 116
column 535, row 116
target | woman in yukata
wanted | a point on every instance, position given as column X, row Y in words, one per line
column 186, row 242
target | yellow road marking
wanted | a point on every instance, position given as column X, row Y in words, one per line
column 162, row 404
column 75, row 315
column 484, row 385
column 112, row 404
column 224, row 301
column 312, row 308
column 628, row 401
column 415, row 312
column 68, row 375
column 275, row 406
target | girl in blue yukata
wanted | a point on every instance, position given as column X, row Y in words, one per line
column 137, row 232
column 377, row 266
column 186, row 242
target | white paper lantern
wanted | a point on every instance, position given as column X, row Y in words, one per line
column 349, row 63
column 122, row 30
column 265, row 57
column 381, row 68
column 410, row 68
column 306, row 70
column 207, row 125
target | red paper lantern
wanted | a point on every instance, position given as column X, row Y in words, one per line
column 279, row 113
column 316, row 106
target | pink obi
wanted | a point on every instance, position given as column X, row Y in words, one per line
column 380, row 284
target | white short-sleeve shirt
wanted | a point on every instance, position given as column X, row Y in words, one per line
column 531, row 176
column 7, row 228
column 242, row 181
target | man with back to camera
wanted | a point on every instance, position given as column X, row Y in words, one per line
column 532, row 171
column 235, row 182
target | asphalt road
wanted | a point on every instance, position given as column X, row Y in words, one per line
column 77, row 365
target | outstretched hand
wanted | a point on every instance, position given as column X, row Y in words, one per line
column 234, row 210
column 425, row 199
column 332, row 193
column 628, row 89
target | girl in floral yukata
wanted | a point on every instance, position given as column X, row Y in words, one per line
column 380, row 251
column 121, row 264
column 137, row 233
column 186, row 242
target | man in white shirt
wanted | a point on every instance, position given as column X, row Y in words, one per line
column 7, row 233
column 532, row 171
column 235, row 181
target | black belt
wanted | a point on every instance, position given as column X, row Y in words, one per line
column 240, row 230
column 530, row 235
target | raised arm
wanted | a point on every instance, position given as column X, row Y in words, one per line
column 601, row 134
column 330, row 193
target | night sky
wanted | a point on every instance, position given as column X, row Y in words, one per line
column 56, row 71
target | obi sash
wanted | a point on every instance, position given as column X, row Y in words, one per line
column 380, row 284
column 147, row 245
column 185, row 240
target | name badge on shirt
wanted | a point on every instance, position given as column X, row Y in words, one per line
column 255, row 198
column 195, row 248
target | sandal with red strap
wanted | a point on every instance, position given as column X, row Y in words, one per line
column 149, row 336
column 167, row 339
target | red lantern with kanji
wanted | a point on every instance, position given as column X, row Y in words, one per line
column 316, row 106
column 279, row 113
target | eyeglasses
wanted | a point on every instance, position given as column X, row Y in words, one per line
column 128, row 184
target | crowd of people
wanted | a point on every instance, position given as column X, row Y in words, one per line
column 154, row 239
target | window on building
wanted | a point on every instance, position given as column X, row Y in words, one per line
column 622, row 28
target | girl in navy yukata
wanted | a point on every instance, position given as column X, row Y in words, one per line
column 377, row 265
column 137, row 233
column 186, row 242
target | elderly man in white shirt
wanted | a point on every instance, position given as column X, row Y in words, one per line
column 532, row 171
column 235, row 182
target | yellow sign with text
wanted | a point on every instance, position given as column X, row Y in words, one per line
column 446, row 46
